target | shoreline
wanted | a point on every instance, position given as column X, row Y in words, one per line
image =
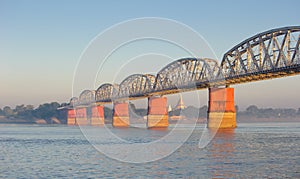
column 186, row 121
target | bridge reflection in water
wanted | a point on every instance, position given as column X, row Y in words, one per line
column 267, row 55
column 221, row 154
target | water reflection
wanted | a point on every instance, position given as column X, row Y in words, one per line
column 222, row 154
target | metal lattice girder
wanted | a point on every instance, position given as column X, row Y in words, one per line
column 87, row 97
column 136, row 85
column 270, row 50
column 104, row 93
column 73, row 101
column 271, row 54
column 185, row 72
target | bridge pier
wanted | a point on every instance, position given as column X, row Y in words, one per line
column 81, row 116
column 221, row 110
column 71, row 117
column 121, row 115
column 97, row 115
column 157, row 116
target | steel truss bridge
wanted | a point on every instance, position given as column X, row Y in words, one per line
column 267, row 55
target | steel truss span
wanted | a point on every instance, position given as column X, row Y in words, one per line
column 185, row 73
column 136, row 85
column 271, row 54
column 74, row 101
column 87, row 97
column 104, row 93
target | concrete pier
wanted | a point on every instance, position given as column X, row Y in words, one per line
column 81, row 116
column 97, row 115
column 71, row 120
column 221, row 110
column 157, row 112
column 121, row 115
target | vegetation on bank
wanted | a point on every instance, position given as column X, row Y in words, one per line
column 49, row 113
column 28, row 114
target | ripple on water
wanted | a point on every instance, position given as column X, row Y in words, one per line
column 251, row 151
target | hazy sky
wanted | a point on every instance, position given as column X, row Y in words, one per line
column 41, row 41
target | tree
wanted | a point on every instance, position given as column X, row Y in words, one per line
column 176, row 112
column 252, row 109
column 63, row 104
column 236, row 108
column 47, row 111
column 19, row 109
column 8, row 111
column 141, row 112
column 203, row 111
column 108, row 114
column 25, row 112
column 29, row 107
column 191, row 112
column 131, row 106
column 1, row 112
column 298, row 111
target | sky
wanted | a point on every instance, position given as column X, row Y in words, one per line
column 41, row 42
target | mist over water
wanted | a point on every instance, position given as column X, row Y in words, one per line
column 253, row 150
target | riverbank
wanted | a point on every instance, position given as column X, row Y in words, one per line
column 13, row 120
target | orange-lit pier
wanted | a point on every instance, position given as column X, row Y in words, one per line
column 97, row 115
column 221, row 111
column 121, row 115
column 157, row 112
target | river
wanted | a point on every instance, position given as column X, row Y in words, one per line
column 253, row 150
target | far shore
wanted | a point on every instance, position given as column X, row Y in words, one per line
column 172, row 120
column 4, row 120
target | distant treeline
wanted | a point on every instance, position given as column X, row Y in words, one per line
column 256, row 112
column 29, row 114
column 252, row 111
column 48, row 111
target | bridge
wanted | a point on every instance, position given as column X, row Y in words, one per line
column 267, row 55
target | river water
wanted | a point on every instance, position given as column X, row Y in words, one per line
column 254, row 150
